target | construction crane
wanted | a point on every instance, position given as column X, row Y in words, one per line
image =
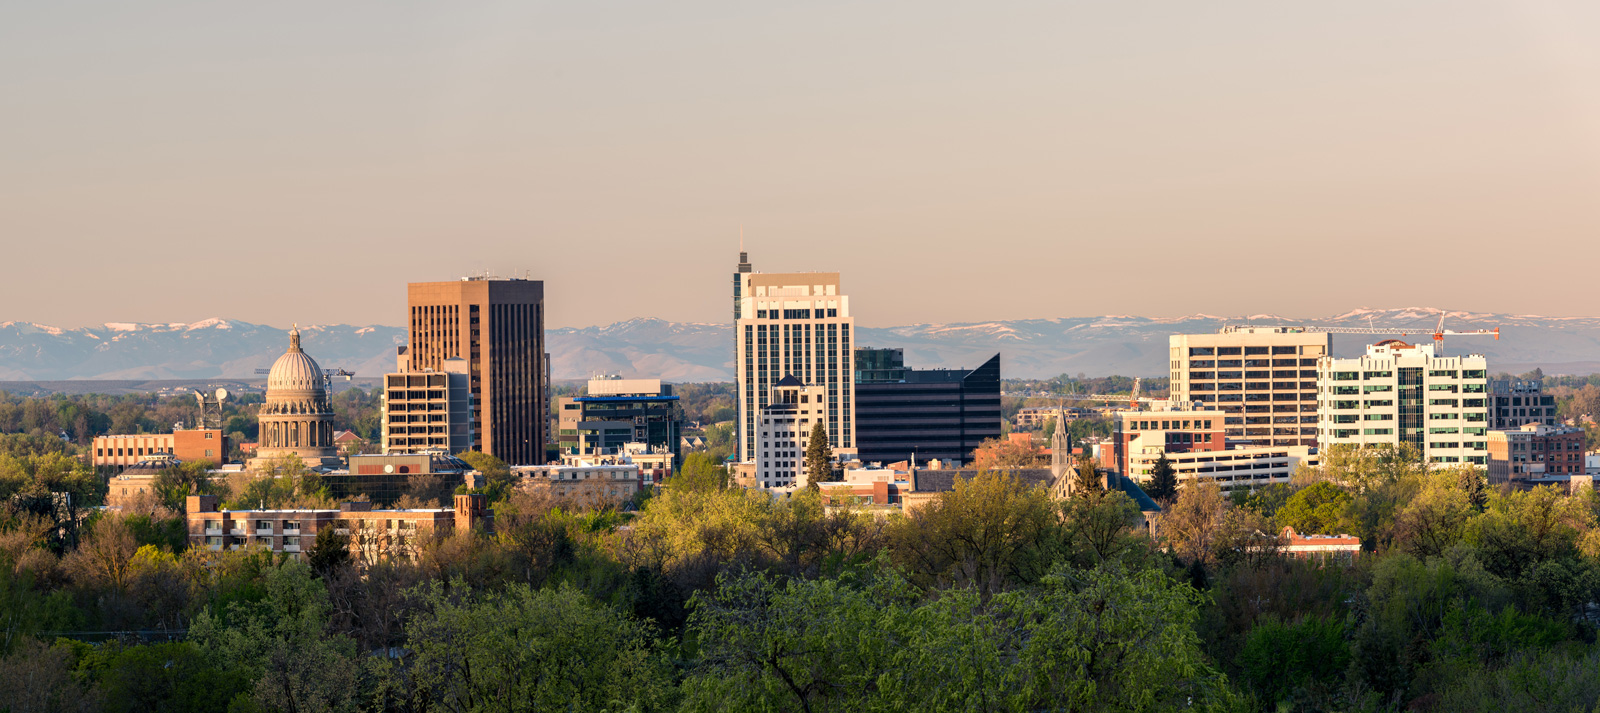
column 1438, row 333
column 1134, row 398
column 328, row 375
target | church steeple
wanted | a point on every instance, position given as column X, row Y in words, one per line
column 1060, row 445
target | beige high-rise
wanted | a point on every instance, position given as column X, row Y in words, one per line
column 1263, row 378
column 497, row 326
column 793, row 324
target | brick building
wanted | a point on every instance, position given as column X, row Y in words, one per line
column 184, row 444
column 1535, row 451
column 374, row 534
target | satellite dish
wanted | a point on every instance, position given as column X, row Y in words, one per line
column 222, row 394
column 200, row 397
column 388, row 468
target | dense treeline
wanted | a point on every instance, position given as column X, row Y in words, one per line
column 992, row 597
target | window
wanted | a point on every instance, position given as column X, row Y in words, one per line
column 209, row 435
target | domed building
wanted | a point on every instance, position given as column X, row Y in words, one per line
column 296, row 418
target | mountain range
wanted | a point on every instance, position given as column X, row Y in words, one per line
column 687, row 351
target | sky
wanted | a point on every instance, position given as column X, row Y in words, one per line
column 956, row 162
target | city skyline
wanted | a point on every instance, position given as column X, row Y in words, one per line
column 1076, row 151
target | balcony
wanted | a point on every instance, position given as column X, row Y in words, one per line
column 263, row 532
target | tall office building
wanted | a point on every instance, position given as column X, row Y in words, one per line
column 1264, row 379
column 793, row 324
column 1403, row 393
column 924, row 413
column 497, row 326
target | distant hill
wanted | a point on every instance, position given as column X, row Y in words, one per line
column 681, row 351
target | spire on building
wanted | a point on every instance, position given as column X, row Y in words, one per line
column 1060, row 445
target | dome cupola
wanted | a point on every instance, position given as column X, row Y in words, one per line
column 295, row 371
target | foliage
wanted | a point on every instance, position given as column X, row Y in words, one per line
column 819, row 456
column 1319, row 509
column 1163, row 486
column 1005, row 453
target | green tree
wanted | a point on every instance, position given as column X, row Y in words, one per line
column 1163, row 479
column 988, row 532
column 1317, row 509
column 496, row 474
column 329, row 552
column 819, row 456
column 700, row 471
column 526, row 650
column 281, row 640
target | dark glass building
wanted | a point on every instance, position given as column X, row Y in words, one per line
column 932, row 413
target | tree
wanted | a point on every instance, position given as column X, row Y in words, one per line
column 1437, row 518
column 526, row 649
column 329, row 551
column 105, row 559
column 1318, row 509
column 988, row 532
column 819, row 456
column 1193, row 523
column 1001, row 454
column 1163, row 479
column 700, row 471
column 1088, row 483
column 496, row 474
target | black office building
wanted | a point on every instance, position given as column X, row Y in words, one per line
column 932, row 413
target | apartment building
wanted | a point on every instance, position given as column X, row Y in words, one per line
column 1535, row 451
column 1263, row 378
column 799, row 325
column 428, row 410
column 1404, row 393
column 784, row 430
column 185, row 444
column 374, row 534
column 1516, row 402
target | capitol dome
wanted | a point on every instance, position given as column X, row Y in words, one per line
column 295, row 418
column 295, row 371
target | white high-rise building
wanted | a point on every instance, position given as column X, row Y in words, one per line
column 785, row 432
column 793, row 324
column 1404, row 393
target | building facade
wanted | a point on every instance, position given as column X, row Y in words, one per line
column 374, row 534
column 783, row 431
column 795, row 324
column 296, row 418
column 616, row 412
column 591, row 484
column 183, row 444
column 1263, row 378
column 497, row 327
column 1399, row 393
column 1535, row 451
column 879, row 366
column 929, row 414
column 1245, row 468
column 1514, row 403
column 1170, row 431
column 428, row 410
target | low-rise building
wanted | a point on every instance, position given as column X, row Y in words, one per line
column 1246, row 468
column 1535, row 451
column 374, row 534
column 1171, row 430
column 1339, row 548
column 184, row 444
column 384, row 477
column 590, row 484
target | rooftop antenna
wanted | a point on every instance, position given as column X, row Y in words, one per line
column 741, row 237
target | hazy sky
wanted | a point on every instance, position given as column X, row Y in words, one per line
column 280, row 162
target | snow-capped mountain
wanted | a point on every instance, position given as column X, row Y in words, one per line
column 681, row 351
